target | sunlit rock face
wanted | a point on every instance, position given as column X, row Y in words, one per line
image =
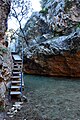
column 55, row 52
column 4, row 11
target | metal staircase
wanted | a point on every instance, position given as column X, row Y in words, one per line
column 17, row 76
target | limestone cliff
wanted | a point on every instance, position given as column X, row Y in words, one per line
column 54, row 47
column 62, row 15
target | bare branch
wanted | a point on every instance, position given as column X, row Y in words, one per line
column 20, row 10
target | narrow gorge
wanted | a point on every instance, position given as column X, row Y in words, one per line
column 44, row 75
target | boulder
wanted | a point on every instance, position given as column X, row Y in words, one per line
column 55, row 57
column 53, row 37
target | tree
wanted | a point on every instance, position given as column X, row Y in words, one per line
column 19, row 11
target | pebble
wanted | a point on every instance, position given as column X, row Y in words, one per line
column 17, row 106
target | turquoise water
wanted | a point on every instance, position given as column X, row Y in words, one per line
column 54, row 98
column 33, row 83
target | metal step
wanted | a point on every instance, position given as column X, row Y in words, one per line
column 15, row 87
column 17, row 66
column 17, row 62
column 18, row 81
column 16, row 57
column 15, row 93
column 19, row 69
column 15, row 77
column 16, row 72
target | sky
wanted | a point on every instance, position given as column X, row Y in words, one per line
column 13, row 23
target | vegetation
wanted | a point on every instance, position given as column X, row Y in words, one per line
column 68, row 4
column 1, row 108
column 19, row 11
column 44, row 11
column 78, row 25
column 3, row 50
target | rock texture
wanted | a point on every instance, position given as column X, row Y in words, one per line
column 36, row 26
column 56, row 57
column 5, row 56
column 62, row 15
column 53, row 36
column 5, row 72
column 4, row 11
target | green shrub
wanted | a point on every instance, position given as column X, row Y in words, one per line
column 68, row 4
column 1, row 108
column 78, row 25
column 4, row 50
column 44, row 11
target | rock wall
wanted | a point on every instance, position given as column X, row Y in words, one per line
column 63, row 16
column 5, row 72
column 5, row 56
column 4, row 11
column 56, row 51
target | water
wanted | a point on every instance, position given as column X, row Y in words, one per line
column 54, row 98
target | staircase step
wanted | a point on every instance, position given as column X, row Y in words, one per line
column 17, row 65
column 19, row 69
column 15, row 77
column 15, row 93
column 15, row 87
column 16, row 72
column 18, row 81
column 17, row 62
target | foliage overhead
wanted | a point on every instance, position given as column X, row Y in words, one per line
column 20, row 10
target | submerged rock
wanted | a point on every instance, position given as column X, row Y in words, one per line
column 55, row 57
